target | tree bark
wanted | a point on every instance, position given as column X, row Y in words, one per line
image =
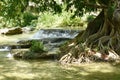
column 98, row 42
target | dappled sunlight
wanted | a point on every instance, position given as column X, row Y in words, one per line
column 1, row 77
column 101, row 67
column 12, row 69
column 93, row 67
column 19, row 75
column 93, row 71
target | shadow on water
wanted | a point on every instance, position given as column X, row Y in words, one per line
column 11, row 69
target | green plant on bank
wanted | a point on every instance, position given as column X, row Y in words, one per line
column 37, row 49
column 63, row 20
column 48, row 19
column 37, row 46
column 74, row 22
column 28, row 18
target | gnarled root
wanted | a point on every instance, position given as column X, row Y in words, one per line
column 90, row 56
column 101, row 43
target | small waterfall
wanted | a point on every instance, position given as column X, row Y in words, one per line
column 5, row 48
column 53, row 38
column 8, row 50
column 55, row 33
column 9, row 55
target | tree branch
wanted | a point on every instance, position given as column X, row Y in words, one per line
column 94, row 5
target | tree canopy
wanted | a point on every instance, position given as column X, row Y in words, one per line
column 14, row 8
column 100, row 41
column 102, row 34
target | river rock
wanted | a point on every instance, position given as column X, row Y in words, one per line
column 26, row 54
column 27, row 29
column 12, row 31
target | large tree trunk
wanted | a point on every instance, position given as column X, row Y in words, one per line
column 99, row 42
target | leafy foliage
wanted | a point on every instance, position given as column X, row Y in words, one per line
column 12, row 8
column 27, row 18
column 51, row 20
column 16, row 9
column 20, row 12
column 47, row 19
column 37, row 46
column 83, row 6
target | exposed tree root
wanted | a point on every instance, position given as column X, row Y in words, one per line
column 101, row 44
column 80, row 56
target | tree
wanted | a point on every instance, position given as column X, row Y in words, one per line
column 101, row 39
column 16, row 9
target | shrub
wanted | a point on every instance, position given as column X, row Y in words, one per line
column 27, row 18
column 48, row 19
column 61, row 20
column 37, row 46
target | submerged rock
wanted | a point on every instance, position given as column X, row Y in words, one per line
column 26, row 54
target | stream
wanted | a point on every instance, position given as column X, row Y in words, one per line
column 18, row 69
column 11, row 69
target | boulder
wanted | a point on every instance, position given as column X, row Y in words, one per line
column 27, row 29
column 12, row 31
column 2, row 31
column 26, row 54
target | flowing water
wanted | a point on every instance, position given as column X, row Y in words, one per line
column 55, row 33
column 12, row 69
